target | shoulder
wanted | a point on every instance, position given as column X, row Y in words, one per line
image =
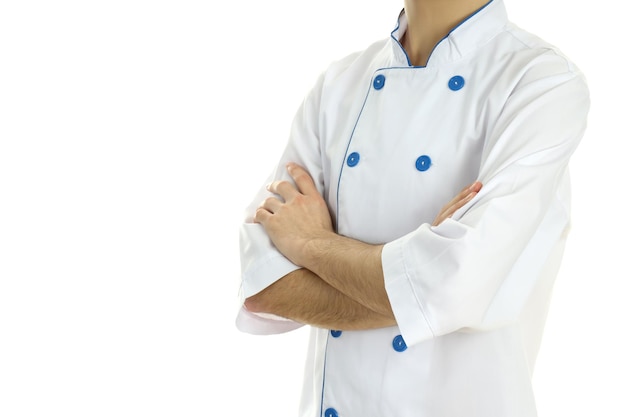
column 541, row 55
column 374, row 56
column 519, row 62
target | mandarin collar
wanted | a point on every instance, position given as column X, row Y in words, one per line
column 471, row 33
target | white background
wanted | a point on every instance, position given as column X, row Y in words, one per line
column 132, row 135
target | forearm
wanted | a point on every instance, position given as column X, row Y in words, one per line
column 303, row 297
column 301, row 228
column 352, row 267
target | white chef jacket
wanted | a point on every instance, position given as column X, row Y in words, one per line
column 388, row 144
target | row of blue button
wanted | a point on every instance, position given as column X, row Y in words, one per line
column 398, row 342
column 422, row 163
column 455, row 83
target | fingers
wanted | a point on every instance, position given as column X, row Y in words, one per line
column 472, row 188
column 270, row 206
column 476, row 186
column 285, row 189
column 459, row 198
column 303, row 183
column 303, row 180
column 261, row 215
column 457, row 202
column 450, row 209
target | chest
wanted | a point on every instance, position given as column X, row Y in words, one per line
column 399, row 143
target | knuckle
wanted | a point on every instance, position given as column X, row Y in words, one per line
column 279, row 186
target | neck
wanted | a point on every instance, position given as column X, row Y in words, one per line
column 430, row 21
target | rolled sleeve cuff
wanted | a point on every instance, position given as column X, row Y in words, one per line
column 264, row 273
column 405, row 303
column 262, row 265
column 265, row 324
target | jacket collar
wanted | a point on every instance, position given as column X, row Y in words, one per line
column 476, row 30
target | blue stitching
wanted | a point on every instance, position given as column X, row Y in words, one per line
column 343, row 162
column 324, row 376
column 441, row 40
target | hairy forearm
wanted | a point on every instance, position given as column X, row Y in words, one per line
column 303, row 297
column 299, row 224
column 352, row 267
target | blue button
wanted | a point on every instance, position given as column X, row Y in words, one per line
column 423, row 163
column 379, row 82
column 353, row 159
column 331, row 412
column 335, row 333
column 456, row 83
column 398, row 343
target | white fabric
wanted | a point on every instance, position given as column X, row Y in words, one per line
column 470, row 295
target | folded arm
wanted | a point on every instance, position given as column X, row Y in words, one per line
column 305, row 298
column 341, row 284
column 463, row 273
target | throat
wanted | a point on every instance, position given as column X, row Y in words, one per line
column 419, row 49
column 429, row 21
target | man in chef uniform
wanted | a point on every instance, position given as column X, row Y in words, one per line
column 422, row 301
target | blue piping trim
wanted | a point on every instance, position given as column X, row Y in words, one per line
column 408, row 61
column 343, row 162
column 324, row 377
column 441, row 40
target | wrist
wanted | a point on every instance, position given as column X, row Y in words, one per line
column 317, row 250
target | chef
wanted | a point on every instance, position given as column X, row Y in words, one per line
column 420, row 301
